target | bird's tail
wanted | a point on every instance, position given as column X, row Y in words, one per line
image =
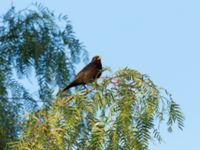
column 69, row 86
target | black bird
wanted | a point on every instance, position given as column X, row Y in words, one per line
column 88, row 74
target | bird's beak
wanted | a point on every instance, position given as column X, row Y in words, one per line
column 99, row 58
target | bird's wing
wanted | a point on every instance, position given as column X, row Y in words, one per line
column 86, row 72
column 82, row 72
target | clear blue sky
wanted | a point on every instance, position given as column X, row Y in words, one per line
column 160, row 38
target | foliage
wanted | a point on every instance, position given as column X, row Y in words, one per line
column 124, row 111
column 8, row 122
column 34, row 43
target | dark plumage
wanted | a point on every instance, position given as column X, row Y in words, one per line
column 88, row 74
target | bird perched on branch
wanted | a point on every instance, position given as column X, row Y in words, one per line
column 88, row 74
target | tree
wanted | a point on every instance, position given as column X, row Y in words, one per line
column 34, row 43
column 125, row 111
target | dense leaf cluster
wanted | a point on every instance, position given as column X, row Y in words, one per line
column 34, row 43
column 124, row 111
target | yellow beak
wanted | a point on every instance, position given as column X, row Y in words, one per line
column 99, row 58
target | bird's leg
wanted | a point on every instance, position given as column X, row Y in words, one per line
column 85, row 87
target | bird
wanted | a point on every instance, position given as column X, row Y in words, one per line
column 88, row 74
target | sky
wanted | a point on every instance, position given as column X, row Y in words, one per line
column 160, row 38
